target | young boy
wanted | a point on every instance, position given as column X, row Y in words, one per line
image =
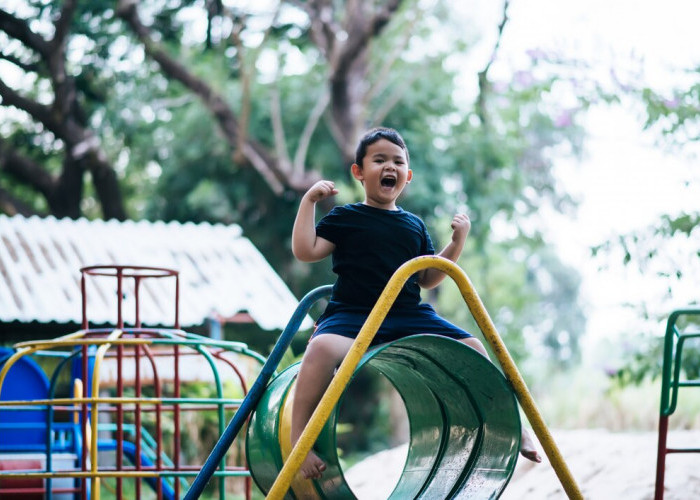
column 368, row 242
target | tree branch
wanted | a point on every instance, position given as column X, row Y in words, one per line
column 278, row 128
column 382, row 79
column 238, row 154
column 309, row 128
column 26, row 67
column 62, row 24
column 25, row 170
column 63, row 85
column 65, row 120
column 19, row 29
column 361, row 31
column 484, row 86
column 384, row 15
column 12, row 206
column 497, row 45
column 348, row 62
column 39, row 112
column 256, row 154
column 324, row 29
column 388, row 104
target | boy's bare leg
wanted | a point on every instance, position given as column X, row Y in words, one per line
column 527, row 445
column 323, row 355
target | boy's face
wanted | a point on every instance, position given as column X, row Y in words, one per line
column 384, row 174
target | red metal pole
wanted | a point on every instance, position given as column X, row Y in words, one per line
column 120, row 383
column 83, row 423
column 120, row 419
column 661, row 458
column 84, row 300
column 231, row 364
column 177, row 301
column 137, row 309
column 120, row 319
column 137, row 384
column 83, row 407
column 176, row 413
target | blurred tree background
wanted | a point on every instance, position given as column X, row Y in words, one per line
column 226, row 112
column 218, row 112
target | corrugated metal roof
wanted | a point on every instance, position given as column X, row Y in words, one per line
column 220, row 272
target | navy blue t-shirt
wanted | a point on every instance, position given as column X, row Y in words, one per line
column 370, row 245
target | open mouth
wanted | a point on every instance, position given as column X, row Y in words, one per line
column 388, row 182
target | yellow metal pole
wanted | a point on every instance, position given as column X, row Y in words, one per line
column 11, row 361
column 337, row 386
column 82, row 474
column 362, row 342
column 78, row 401
column 99, row 355
column 23, row 350
column 482, row 318
column 49, row 344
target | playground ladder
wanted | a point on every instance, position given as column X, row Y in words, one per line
column 674, row 342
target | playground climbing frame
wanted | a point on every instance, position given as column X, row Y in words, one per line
column 141, row 419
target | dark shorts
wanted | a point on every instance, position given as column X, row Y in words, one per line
column 347, row 321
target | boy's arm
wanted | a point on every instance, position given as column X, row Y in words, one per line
column 306, row 246
column 431, row 277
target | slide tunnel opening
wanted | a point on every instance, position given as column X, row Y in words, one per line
column 388, row 434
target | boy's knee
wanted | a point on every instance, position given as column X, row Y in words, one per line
column 475, row 343
column 328, row 348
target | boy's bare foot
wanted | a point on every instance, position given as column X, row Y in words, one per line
column 527, row 447
column 312, row 467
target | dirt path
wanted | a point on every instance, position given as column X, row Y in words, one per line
column 606, row 465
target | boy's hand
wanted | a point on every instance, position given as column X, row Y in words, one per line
column 431, row 277
column 320, row 191
column 460, row 227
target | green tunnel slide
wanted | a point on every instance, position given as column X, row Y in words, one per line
column 463, row 419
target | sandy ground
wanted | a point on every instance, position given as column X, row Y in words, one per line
column 606, row 466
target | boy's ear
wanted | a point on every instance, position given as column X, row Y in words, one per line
column 410, row 176
column 357, row 172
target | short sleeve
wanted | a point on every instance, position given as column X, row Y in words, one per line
column 329, row 226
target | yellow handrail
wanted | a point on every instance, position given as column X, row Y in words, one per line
column 81, row 474
column 99, row 355
column 364, row 338
column 84, row 400
column 25, row 350
column 48, row 344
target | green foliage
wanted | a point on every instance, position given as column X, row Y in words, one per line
column 644, row 358
column 644, row 362
column 531, row 297
column 665, row 248
column 676, row 116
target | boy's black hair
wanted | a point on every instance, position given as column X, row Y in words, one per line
column 373, row 136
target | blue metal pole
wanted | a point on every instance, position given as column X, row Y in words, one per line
column 250, row 402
